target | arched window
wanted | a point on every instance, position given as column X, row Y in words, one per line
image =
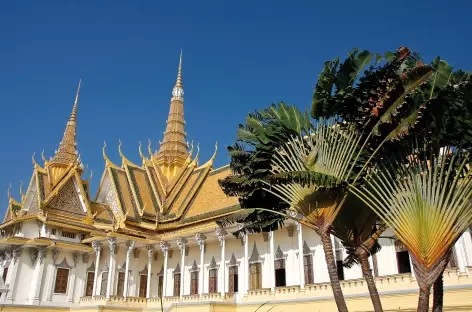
column 5, row 274
column 62, row 277
column 255, row 272
column 256, row 276
column 338, row 252
column 90, row 280
column 177, row 284
column 452, row 264
column 121, row 284
column 143, row 282
column 104, row 280
column 213, row 277
column 194, row 278
column 403, row 258
column 160, row 283
column 103, row 287
column 177, row 280
column 279, row 267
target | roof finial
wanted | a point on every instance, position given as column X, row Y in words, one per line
column 149, row 148
column 74, row 109
column 67, row 151
column 8, row 192
column 21, row 191
column 43, row 158
column 178, row 83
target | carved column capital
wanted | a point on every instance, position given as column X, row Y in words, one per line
column 164, row 246
column 55, row 253
column 75, row 257
column 85, row 257
column 33, row 252
column 243, row 238
column 200, row 238
column 42, row 254
column 96, row 246
column 220, row 234
column 17, row 253
column 182, row 244
column 129, row 247
column 112, row 245
column 150, row 251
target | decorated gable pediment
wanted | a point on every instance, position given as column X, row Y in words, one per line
column 68, row 199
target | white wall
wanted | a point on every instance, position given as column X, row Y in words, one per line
column 386, row 261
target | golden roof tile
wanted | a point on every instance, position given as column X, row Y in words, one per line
column 123, row 190
column 210, row 197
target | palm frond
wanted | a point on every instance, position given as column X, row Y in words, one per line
column 311, row 172
column 425, row 200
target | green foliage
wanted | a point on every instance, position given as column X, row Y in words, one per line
column 424, row 195
column 396, row 97
column 263, row 132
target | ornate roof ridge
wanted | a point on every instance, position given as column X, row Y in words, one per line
column 219, row 169
column 108, row 162
column 124, row 159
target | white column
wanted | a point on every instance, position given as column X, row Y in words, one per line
column 246, row 264
column 271, row 260
column 182, row 243
column 129, row 248
column 38, row 275
column 301, row 267
column 51, row 273
column 85, row 261
column 165, row 250
column 12, row 271
column 97, row 248
column 221, row 233
column 460, row 255
column 150, row 252
column 466, row 239
column 111, row 269
column 71, row 290
column 200, row 238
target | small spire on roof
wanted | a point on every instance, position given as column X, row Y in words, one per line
column 67, row 152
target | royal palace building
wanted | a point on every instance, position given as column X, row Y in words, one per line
column 148, row 240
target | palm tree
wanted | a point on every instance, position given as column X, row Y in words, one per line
column 312, row 173
column 358, row 229
column 426, row 199
column 394, row 99
column 264, row 131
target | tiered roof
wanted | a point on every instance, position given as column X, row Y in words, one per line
column 166, row 194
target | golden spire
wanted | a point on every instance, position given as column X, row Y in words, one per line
column 178, row 82
column 173, row 148
column 67, row 151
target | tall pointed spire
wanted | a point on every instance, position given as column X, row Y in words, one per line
column 173, row 148
column 67, row 151
column 178, row 82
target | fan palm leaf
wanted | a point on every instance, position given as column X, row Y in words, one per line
column 427, row 203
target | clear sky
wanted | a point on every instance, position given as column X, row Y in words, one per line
column 238, row 56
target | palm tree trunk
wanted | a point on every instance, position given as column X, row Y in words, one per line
column 423, row 299
column 438, row 292
column 367, row 273
column 333, row 274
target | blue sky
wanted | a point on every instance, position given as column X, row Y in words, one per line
column 238, row 56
